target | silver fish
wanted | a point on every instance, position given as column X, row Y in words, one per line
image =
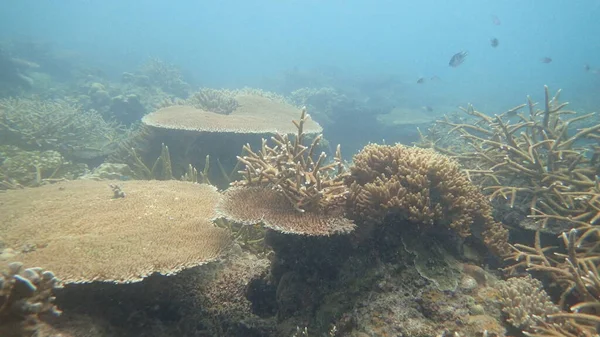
column 458, row 58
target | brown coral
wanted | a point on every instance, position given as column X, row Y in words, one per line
column 24, row 295
column 251, row 205
column 254, row 114
column 525, row 302
column 422, row 186
column 81, row 232
column 289, row 188
column 536, row 157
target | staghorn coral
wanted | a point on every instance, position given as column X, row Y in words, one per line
column 213, row 100
column 79, row 230
column 538, row 158
column 577, row 274
column 422, row 186
column 24, row 295
column 525, row 302
column 35, row 124
column 290, row 188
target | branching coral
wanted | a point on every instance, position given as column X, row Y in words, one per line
column 25, row 294
column 538, row 157
column 576, row 272
column 525, row 302
column 214, row 100
column 289, row 187
column 295, row 171
column 35, row 124
column 423, row 187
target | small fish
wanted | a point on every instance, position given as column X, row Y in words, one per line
column 587, row 67
column 546, row 59
column 421, row 80
column 496, row 20
column 494, row 42
column 427, row 108
column 457, row 59
column 435, row 78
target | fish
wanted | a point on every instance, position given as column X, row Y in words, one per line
column 435, row 78
column 546, row 59
column 587, row 67
column 496, row 20
column 421, row 80
column 457, row 59
column 427, row 108
column 494, row 42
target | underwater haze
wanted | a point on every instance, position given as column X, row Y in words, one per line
column 239, row 43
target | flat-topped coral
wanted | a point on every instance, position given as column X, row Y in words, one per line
column 24, row 295
column 254, row 114
column 423, row 187
column 290, row 188
column 85, row 231
column 252, row 205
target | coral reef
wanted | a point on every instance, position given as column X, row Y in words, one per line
column 213, row 100
column 575, row 272
column 538, row 158
column 423, row 187
column 159, row 226
column 35, row 124
column 525, row 302
column 34, row 168
column 25, row 295
column 289, row 188
column 255, row 115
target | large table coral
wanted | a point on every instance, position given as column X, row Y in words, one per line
column 89, row 231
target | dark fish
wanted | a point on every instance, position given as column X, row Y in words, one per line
column 496, row 20
column 421, row 80
column 494, row 42
column 457, row 59
column 587, row 67
column 546, row 59
column 427, row 108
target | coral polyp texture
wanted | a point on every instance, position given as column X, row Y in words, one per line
column 253, row 114
column 289, row 187
column 423, row 187
column 24, row 295
column 84, row 233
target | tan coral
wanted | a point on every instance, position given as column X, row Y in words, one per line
column 25, row 294
column 525, row 302
column 254, row 115
column 422, row 186
column 290, row 188
column 251, row 205
column 81, row 232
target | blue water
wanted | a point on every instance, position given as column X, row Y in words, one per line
column 237, row 43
